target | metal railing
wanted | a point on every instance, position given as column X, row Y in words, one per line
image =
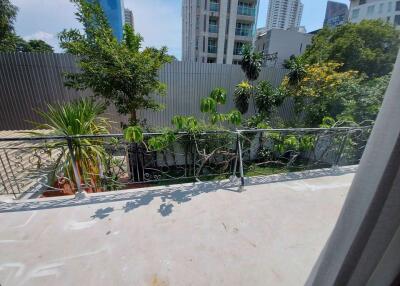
column 212, row 49
column 67, row 165
column 214, row 7
column 247, row 11
column 245, row 32
column 237, row 51
column 213, row 28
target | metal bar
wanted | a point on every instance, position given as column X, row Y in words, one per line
column 236, row 157
column 39, row 138
column 12, row 173
column 74, row 165
column 8, row 178
column 240, row 160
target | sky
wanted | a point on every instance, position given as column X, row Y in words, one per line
column 158, row 21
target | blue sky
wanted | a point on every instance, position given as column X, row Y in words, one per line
column 159, row 21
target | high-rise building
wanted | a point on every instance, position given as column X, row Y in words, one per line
column 386, row 10
column 129, row 18
column 284, row 14
column 114, row 10
column 336, row 14
column 214, row 31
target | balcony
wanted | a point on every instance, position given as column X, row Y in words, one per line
column 246, row 11
column 237, row 51
column 214, row 7
column 213, row 28
column 212, row 49
column 127, row 238
column 244, row 212
column 244, row 32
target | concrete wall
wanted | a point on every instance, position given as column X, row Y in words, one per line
column 31, row 81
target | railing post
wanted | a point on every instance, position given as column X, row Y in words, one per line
column 80, row 193
column 240, row 161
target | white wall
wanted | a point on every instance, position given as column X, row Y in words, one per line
column 283, row 42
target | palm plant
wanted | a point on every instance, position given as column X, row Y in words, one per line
column 251, row 65
column 81, row 117
column 297, row 70
column 251, row 62
column 242, row 95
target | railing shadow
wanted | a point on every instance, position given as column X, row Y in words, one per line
column 177, row 194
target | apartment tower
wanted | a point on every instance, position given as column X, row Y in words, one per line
column 129, row 18
column 114, row 11
column 214, row 31
column 284, row 14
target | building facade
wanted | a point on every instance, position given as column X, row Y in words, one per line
column 336, row 14
column 129, row 18
column 214, row 31
column 114, row 10
column 284, row 14
column 278, row 45
column 386, row 10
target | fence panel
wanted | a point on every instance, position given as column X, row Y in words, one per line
column 30, row 81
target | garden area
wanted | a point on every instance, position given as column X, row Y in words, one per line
column 336, row 88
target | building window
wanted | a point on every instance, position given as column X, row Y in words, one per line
column 211, row 60
column 245, row 8
column 362, row 2
column 390, row 6
column 371, row 10
column 214, row 6
column 397, row 20
column 398, row 6
column 212, row 46
column 381, row 8
column 213, row 26
column 355, row 14
column 243, row 29
column 237, row 50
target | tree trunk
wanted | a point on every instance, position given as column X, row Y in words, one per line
column 133, row 117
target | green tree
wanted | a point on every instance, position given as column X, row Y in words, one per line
column 364, row 98
column 119, row 72
column 39, row 46
column 369, row 47
column 267, row 98
column 8, row 14
column 297, row 69
column 251, row 62
column 251, row 66
column 317, row 94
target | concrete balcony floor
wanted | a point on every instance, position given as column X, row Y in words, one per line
column 202, row 234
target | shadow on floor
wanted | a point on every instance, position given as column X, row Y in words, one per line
column 169, row 195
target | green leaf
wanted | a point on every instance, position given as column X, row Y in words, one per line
column 219, row 95
column 133, row 134
column 208, row 105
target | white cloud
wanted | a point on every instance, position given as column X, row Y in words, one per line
column 40, row 35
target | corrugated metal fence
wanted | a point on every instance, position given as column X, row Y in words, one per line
column 29, row 81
